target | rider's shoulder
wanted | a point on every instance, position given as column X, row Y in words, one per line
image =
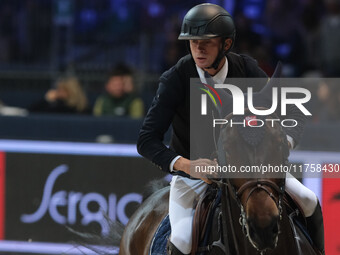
column 184, row 66
column 244, row 58
column 246, row 64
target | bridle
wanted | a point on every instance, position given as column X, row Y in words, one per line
column 262, row 184
column 257, row 184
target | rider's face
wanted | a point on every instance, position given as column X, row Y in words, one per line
column 205, row 51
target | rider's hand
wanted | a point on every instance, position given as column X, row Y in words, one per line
column 187, row 166
column 203, row 164
column 213, row 175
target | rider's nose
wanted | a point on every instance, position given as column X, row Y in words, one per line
column 200, row 47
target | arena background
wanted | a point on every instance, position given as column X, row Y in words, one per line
column 66, row 170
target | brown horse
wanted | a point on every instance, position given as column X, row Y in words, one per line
column 259, row 222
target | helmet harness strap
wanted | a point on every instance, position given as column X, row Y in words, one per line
column 220, row 55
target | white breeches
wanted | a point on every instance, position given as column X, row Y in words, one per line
column 184, row 192
column 304, row 196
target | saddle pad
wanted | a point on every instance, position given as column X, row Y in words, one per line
column 160, row 239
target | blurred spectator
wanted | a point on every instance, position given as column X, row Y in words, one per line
column 330, row 40
column 67, row 97
column 119, row 98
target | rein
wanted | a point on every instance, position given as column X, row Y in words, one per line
column 226, row 207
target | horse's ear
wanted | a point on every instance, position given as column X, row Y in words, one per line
column 278, row 70
column 264, row 96
column 273, row 82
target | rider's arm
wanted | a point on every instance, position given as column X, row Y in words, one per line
column 158, row 119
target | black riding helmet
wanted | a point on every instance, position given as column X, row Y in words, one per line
column 205, row 21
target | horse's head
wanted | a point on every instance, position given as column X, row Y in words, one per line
column 259, row 197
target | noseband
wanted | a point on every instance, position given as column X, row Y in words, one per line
column 262, row 184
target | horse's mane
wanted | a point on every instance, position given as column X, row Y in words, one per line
column 99, row 244
column 95, row 241
column 154, row 186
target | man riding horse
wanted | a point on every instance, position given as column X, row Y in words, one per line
column 210, row 34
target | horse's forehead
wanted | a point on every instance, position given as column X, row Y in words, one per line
column 252, row 132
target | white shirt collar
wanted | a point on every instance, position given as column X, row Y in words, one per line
column 218, row 78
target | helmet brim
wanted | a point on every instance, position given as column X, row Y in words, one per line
column 196, row 37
